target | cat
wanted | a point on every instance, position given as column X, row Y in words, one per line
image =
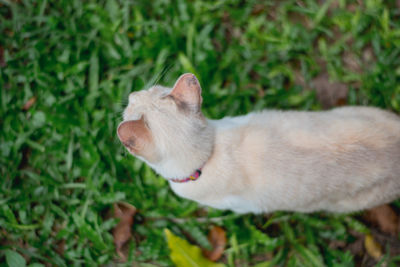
column 343, row 160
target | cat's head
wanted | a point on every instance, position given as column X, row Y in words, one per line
column 166, row 128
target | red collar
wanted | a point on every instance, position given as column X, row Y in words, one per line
column 193, row 177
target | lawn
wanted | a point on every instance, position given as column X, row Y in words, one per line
column 67, row 67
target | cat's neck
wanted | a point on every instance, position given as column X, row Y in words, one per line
column 193, row 155
column 184, row 162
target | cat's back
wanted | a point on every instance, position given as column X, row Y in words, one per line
column 362, row 122
column 344, row 159
column 313, row 129
column 343, row 151
column 348, row 113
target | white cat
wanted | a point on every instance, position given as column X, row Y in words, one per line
column 342, row 160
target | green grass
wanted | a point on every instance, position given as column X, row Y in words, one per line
column 62, row 165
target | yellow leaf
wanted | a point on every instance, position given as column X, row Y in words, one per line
column 372, row 247
column 184, row 254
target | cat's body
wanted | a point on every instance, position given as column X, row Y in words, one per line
column 341, row 160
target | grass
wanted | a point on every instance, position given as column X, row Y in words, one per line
column 62, row 166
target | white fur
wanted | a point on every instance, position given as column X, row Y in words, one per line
column 301, row 161
column 341, row 160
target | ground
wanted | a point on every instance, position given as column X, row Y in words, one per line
column 67, row 67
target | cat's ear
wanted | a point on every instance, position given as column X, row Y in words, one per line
column 135, row 135
column 187, row 93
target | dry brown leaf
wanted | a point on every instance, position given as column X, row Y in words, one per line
column 2, row 60
column 122, row 231
column 329, row 94
column 384, row 218
column 392, row 243
column 356, row 248
column 299, row 18
column 351, row 62
column 337, row 244
column 258, row 9
column 372, row 247
column 217, row 238
column 60, row 247
column 29, row 103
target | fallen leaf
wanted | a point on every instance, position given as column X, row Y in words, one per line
column 384, row 218
column 217, row 238
column 2, row 60
column 29, row 103
column 60, row 247
column 258, row 9
column 302, row 19
column 356, row 247
column 122, row 231
column 391, row 243
column 353, row 7
column 329, row 94
column 351, row 62
column 337, row 244
column 184, row 254
column 373, row 248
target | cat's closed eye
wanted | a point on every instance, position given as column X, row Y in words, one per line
column 164, row 97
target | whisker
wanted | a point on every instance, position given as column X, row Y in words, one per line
column 163, row 73
column 156, row 78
